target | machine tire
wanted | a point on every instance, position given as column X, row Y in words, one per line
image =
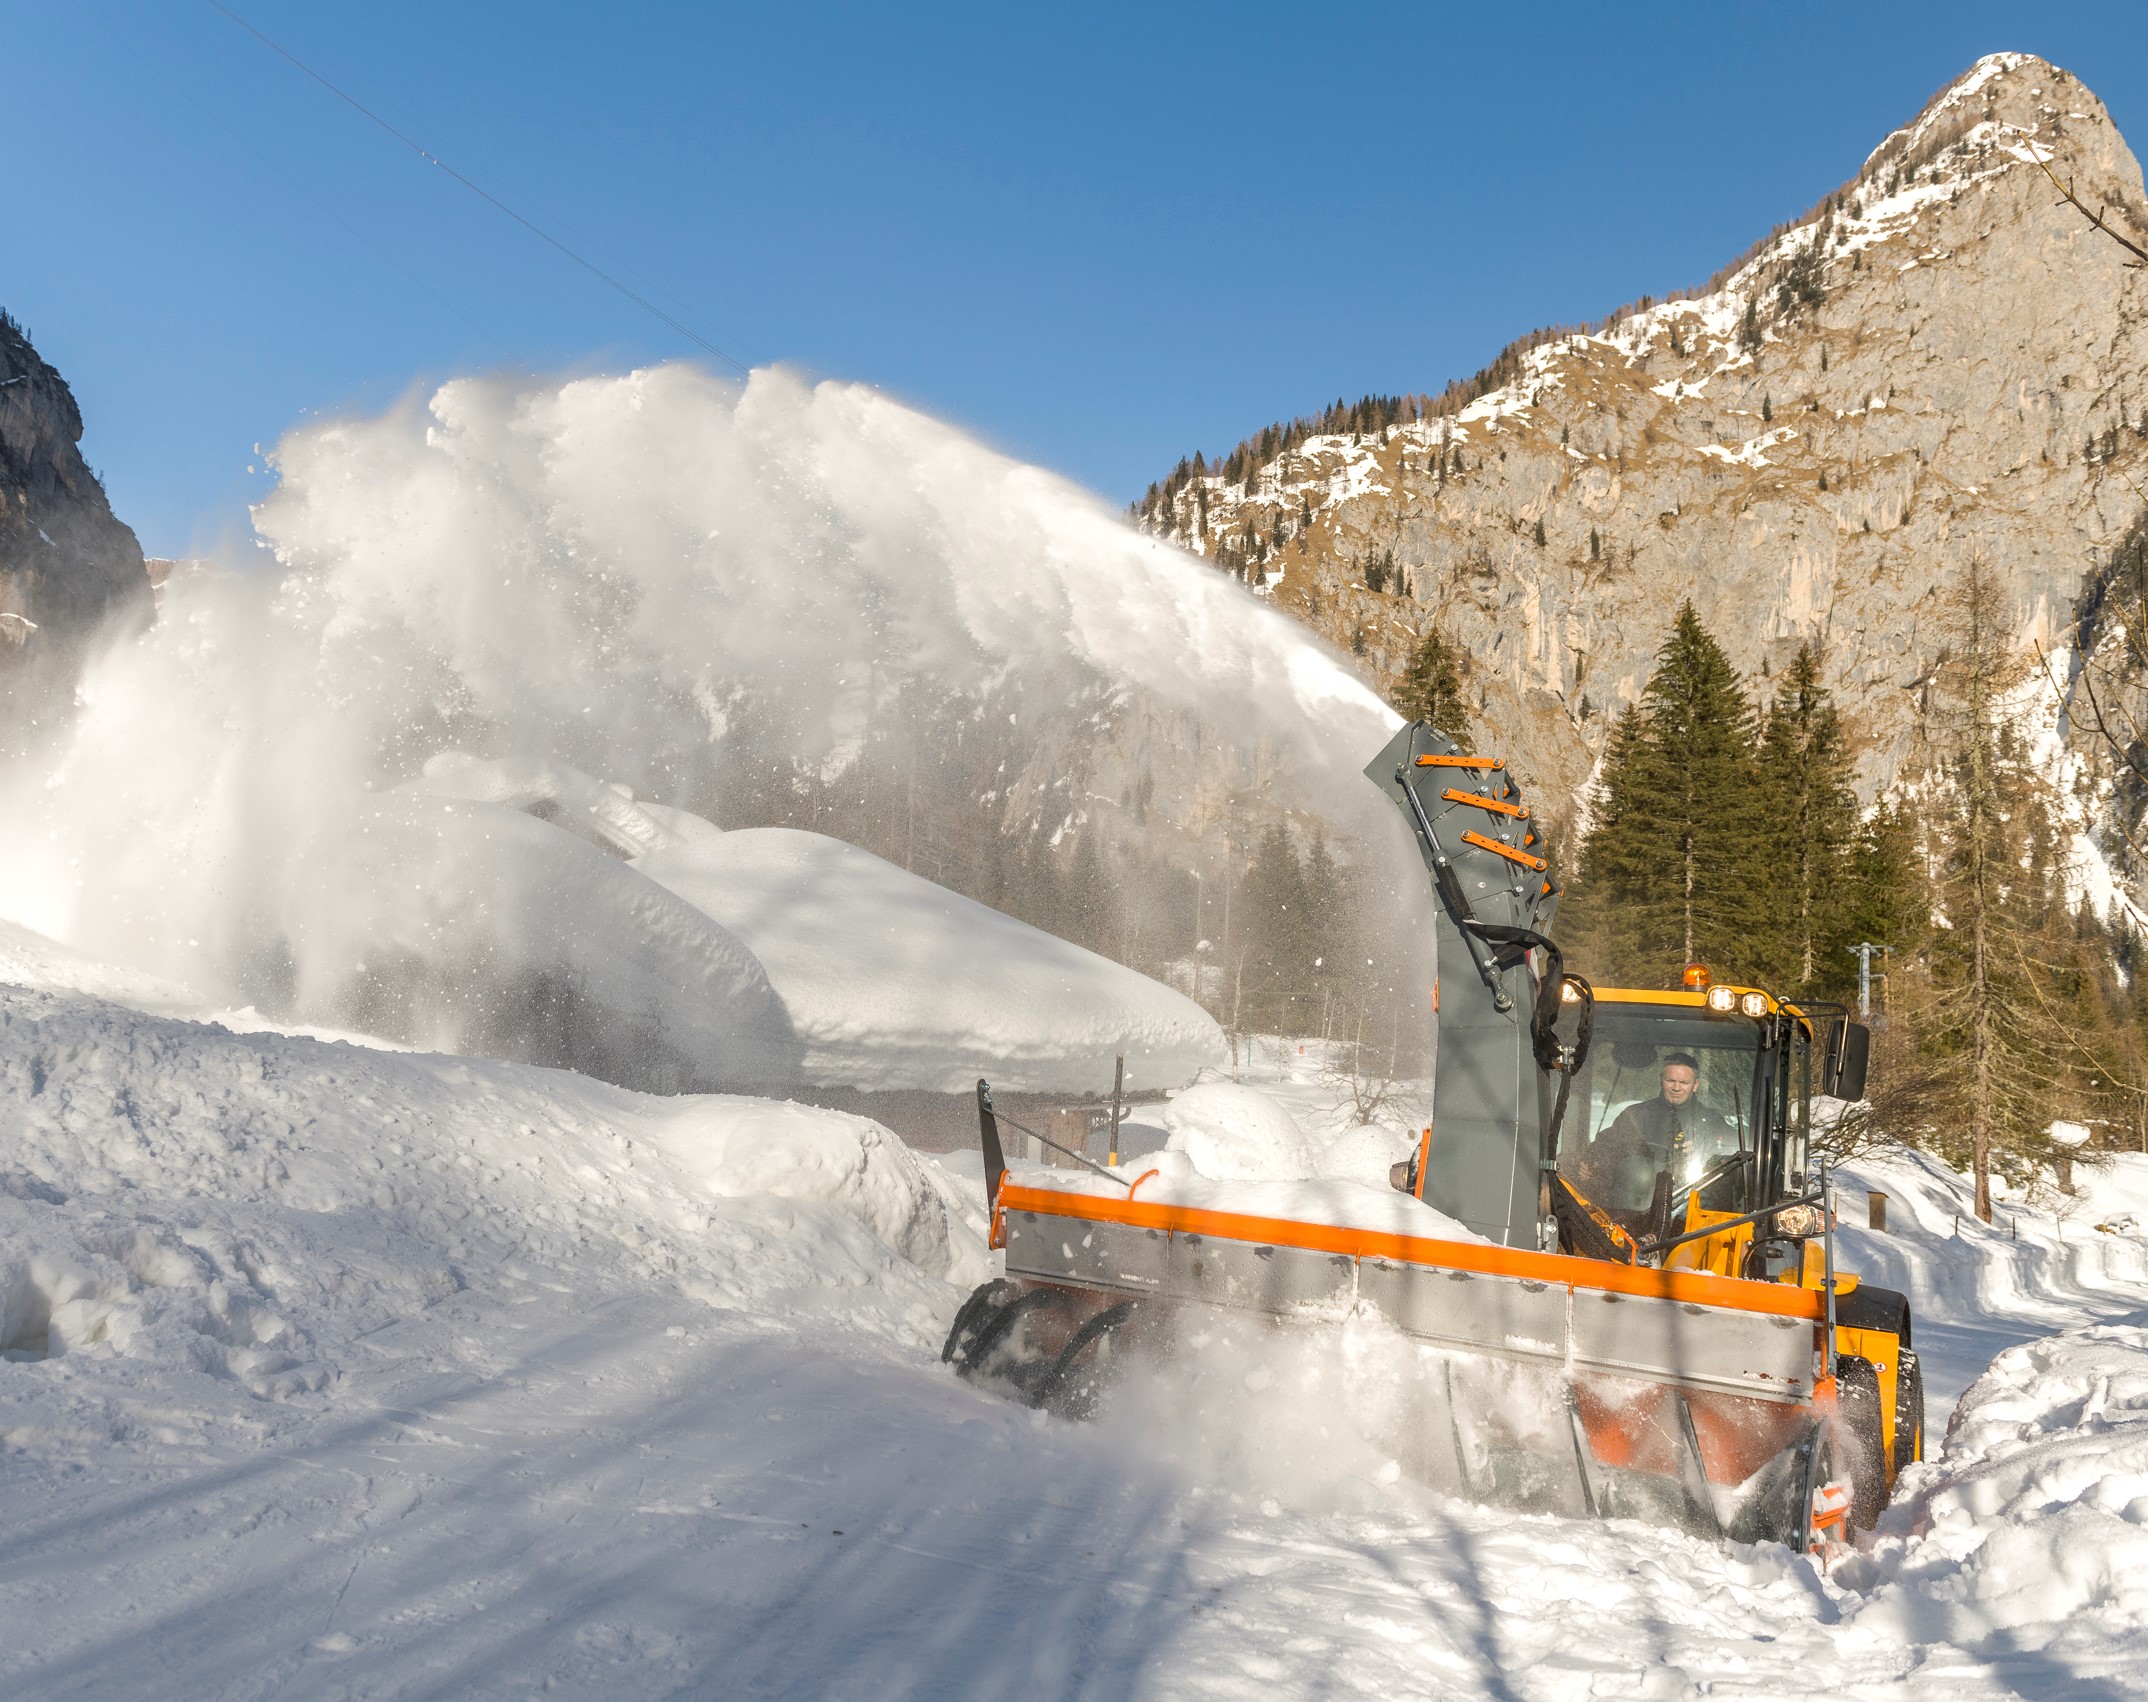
column 985, row 1298
column 989, row 1349
column 1075, row 1382
column 1857, row 1397
column 1908, row 1412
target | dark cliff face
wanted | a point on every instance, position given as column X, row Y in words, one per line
column 71, row 572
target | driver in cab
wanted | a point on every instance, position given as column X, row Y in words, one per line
column 1674, row 1132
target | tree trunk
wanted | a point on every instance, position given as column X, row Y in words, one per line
column 1689, row 897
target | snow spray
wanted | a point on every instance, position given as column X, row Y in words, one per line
column 634, row 574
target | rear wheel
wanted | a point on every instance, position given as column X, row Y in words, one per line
column 1857, row 1397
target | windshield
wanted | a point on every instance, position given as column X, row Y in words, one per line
column 1665, row 1089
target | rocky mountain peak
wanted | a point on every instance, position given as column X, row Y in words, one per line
column 69, row 569
column 1937, row 358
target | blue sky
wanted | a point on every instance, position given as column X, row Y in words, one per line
column 1100, row 236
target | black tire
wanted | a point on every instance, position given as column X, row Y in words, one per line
column 1075, row 1383
column 994, row 1346
column 1908, row 1412
column 985, row 1298
column 1857, row 1396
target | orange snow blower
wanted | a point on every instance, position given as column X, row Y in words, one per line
column 1648, row 1322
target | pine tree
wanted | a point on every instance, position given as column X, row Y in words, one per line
column 1812, row 817
column 1767, row 409
column 1596, row 544
column 1668, row 870
column 1986, row 834
column 1749, row 327
column 1328, row 911
column 1431, row 688
column 1280, row 930
column 1540, row 532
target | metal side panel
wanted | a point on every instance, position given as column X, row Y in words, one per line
column 1269, row 1279
column 1198, row 1268
column 1510, row 1316
column 1709, row 1347
column 1102, row 1255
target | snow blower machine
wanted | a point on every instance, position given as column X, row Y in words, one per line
column 1640, row 1314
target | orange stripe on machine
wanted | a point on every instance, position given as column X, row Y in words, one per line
column 1699, row 1288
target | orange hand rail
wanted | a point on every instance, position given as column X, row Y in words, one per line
column 1520, row 812
column 1506, row 851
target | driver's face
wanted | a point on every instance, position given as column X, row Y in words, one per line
column 1678, row 1082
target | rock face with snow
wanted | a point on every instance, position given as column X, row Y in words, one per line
column 894, row 984
column 68, row 567
column 1947, row 361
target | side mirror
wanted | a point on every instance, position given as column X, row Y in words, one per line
column 1844, row 1076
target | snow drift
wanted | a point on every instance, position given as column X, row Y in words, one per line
column 475, row 928
column 891, row 982
column 1234, row 1133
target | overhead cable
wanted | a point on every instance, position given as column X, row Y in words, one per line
column 483, row 194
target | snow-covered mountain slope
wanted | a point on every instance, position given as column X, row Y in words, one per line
column 1939, row 358
column 894, row 983
column 339, row 1372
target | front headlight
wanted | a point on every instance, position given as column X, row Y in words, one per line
column 1723, row 1000
column 1797, row 1222
column 1753, row 1004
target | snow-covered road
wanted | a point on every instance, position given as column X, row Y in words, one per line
column 391, row 1375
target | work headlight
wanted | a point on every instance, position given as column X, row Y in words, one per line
column 1753, row 1004
column 1724, row 999
column 1796, row 1222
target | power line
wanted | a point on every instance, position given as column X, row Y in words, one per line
column 535, row 230
column 304, row 194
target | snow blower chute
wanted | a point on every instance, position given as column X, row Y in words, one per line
column 1650, row 1322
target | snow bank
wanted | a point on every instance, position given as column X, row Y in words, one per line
column 1235, row 1133
column 739, row 1147
column 2030, row 1538
column 30, row 959
column 606, row 815
column 476, row 928
column 285, row 1195
column 1366, row 1153
column 892, row 982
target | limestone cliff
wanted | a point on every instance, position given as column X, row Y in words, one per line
column 1939, row 358
column 69, row 569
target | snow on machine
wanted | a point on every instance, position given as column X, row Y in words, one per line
column 1614, row 1244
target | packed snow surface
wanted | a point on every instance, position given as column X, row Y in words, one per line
column 893, row 982
column 333, row 1371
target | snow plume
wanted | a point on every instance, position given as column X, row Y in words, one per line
column 668, row 581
